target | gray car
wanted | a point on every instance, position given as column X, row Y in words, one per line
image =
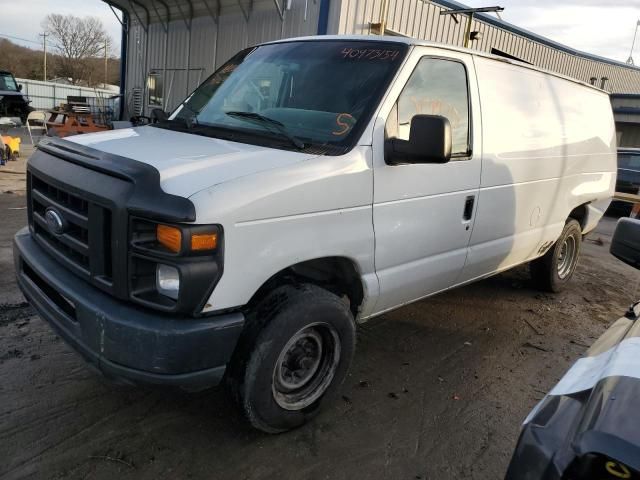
column 628, row 179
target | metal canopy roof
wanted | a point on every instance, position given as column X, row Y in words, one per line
column 453, row 4
column 165, row 11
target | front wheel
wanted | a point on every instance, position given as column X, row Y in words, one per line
column 297, row 349
column 554, row 269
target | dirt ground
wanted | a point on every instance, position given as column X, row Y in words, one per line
column 12, row 174
column 438, row 389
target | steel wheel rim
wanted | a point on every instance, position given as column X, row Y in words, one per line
column 306, row 366
column 567, row 257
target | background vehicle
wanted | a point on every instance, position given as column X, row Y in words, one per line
column 12, row 102
column 587, row 426
column 246, row 235
column 628, row 179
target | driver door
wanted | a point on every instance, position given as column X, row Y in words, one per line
column 423, row 213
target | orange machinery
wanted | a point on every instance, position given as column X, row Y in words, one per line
column 12, row 146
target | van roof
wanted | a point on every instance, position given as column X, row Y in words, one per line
column 424, row 43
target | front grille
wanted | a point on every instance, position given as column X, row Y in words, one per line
column 85, row 244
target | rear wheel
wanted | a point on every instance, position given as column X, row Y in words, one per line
column 295, row 352
column 554, row 269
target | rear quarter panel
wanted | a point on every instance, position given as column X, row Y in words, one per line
column 548, row 147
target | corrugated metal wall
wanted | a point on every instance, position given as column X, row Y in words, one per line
column 192, row 54
column 422, row 19
column 185, row 56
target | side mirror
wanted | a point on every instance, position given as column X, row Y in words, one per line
column 20, row 87
column 625, row 244
column 429, row 141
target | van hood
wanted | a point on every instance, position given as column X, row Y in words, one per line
column 189, row 163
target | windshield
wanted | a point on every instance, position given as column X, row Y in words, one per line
column 293, row 95
column 8, row 83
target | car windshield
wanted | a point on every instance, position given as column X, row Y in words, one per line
column 629, row 160
column 8, row 83
column 293, row 95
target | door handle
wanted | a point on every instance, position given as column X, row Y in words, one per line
column 468, row 208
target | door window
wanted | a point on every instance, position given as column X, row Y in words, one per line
column 436, row 87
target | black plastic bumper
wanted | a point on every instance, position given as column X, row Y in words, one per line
column 123, row 341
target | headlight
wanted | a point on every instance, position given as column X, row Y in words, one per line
column 174, row 267
column 167, row 281
column 171, row 238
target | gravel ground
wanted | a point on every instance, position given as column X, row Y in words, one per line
column 438, row 389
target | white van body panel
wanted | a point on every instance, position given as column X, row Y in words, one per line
column 421, row 237
column 280, row 217
column 189, row 163
column 542, row 145
column 549, row 146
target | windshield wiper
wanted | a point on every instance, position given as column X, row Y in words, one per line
column 261, row 119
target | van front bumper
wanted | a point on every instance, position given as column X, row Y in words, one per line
column 125, row 342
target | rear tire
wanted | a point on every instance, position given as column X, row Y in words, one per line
column 296, row 350
column 554, row 269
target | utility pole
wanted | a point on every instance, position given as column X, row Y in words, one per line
column 471, row 12
column 633, row 44
column 44, row 43
column 106, row 61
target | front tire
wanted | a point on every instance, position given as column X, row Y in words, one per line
column 554, row 269
column 296, row 351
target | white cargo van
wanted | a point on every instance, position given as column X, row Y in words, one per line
column 306, row 186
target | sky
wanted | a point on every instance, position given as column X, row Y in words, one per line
column 23, row 18
column 599, row 27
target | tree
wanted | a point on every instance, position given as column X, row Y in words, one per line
column 27, row 63
column 21, row 61
column 78, row 41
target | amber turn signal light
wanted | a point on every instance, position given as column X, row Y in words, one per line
column 170, row 237
column 204, row 241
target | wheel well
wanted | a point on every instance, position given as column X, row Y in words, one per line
column 580, row 214
column 339, row 275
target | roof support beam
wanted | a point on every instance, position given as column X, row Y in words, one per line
column 145, row 26
column 215, row 16
column 187, row 19
column 115, row 14
column 280, row 9
column 245, row 13
column 165, row 23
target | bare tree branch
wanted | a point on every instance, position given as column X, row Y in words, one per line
column 77, row 41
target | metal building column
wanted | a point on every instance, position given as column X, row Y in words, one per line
column 323, row 17
column 216, row 20
column 165, row 27
column 123, row 62
column 188, row 21
column 145, row 27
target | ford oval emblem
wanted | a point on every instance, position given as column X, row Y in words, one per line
column 55, row 221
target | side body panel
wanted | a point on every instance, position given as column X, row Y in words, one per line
column 421, row 235
column 548, row 147
column 279, row 217
column 535, row 158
